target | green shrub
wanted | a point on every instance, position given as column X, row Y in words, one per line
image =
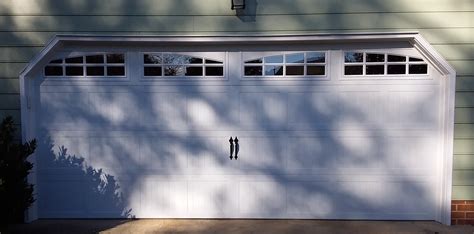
column 16, row 194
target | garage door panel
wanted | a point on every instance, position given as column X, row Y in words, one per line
column 361, row 109
column 63, row 154
column 311, row 199
column 414, row 109
column 410, row 153
column 313, row 110
column 164, row 155
column 107, row 196
column 64, row 110
column 213, row 199
column 308, row 153
column 164, row 198
column 210, row 155
column 358, row 197
column 61, row 198
column 358, row 152
column 408, row 197
column 212, row 110
column 114, row 109
column 115, row 154
column 262, row 198
column 263, row 110
column 164, row 111
column 261, row 154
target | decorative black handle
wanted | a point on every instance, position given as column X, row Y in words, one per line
column 231, row 148
column 236, row 141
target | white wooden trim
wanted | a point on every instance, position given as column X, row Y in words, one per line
column 418, row 42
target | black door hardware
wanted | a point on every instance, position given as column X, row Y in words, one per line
column 231, row 148
column 236, row 141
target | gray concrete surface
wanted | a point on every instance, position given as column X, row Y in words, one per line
column 233, row 226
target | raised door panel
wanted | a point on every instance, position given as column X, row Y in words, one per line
column 262, row 198
column 313, row 110
column 115, row 155
column 212, row 110
column 164, row 198
column 188, row 109
column 164, row 154
column 164, row 110
column 209, row 154
column 311, row 154
column 64, row 110
column 261, row 154
column 263, row 110
column 213, row 198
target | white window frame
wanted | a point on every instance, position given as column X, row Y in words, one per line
column 84, row 66
column 385, row 63
column 246, row 56
column 219, row 56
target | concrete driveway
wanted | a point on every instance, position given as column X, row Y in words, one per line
column 234, row 226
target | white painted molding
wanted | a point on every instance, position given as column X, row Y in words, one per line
column 418, row 42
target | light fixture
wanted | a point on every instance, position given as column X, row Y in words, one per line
column 238, row 4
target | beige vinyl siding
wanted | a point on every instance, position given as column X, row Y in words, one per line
column 26, row 25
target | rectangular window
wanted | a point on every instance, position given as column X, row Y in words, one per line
column 287, row 64
column 89, row 65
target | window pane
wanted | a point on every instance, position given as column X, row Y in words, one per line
column 295, row 58
column 209, row 61
column 253, row 70
column 375, row 58
column 115, row 58
column 74, row 71
column 214, row 71
column 152, row 59
column 315, row 57
column 396, row 58
column 254, row 61
column 396, row 69
column 53, row 71
column 415, row 60
column 315, row 70
column 353, row 70
column 74, row 60
column 180, row 59
column 274, row 59
column 95, row 59
column 175, row 70
column 116, row 71
column 193, row 71
column 56, row 61
column 95, row 71
column 374, row 70
column 152, row 71
column 294, row 70
column 418, row 69
column 353, row 57
column 274, row 70
column 192, row 60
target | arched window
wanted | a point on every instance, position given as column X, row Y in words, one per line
column 381, row 64
column 180, row 65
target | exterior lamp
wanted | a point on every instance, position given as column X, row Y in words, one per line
column 238, row 4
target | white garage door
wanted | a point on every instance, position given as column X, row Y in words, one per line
column 337, row 133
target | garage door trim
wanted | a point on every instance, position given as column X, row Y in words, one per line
column 58, row 42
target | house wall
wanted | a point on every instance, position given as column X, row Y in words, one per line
column 26, row 25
